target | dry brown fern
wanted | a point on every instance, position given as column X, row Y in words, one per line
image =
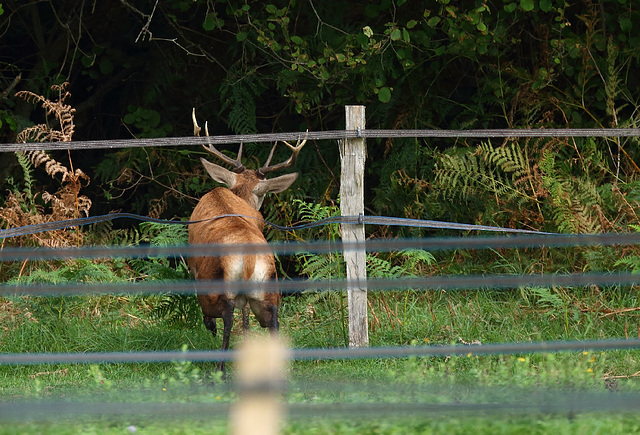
column 14, row 214
column 62, row 112
column 64, row 197
column 66, row 202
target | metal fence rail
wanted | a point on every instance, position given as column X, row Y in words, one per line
column 324, row 354
column 431, row 244
column 321, row 135
column 467, row 282
column 496, row 402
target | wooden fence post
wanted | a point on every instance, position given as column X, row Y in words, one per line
column 261, row 370
column 353, row 154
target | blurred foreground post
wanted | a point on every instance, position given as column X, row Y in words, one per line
column 260, row 381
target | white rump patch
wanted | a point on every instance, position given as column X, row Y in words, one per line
column 237, row 267
column 260, row 273
column 234, row 270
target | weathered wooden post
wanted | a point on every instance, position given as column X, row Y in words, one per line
column 353, row 154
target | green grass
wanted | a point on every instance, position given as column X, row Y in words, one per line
column 127, row 323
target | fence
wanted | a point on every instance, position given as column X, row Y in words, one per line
column 558, row 402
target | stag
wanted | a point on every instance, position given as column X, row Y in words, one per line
column 244, row 194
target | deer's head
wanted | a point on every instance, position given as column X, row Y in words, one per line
column 250, row 185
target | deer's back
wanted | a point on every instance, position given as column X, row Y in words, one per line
column 228, row 230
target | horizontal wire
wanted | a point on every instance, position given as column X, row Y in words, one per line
column 571, row 403
column 321, row 135
column 431, row 244
column 529, row 402
column 467, row 282
column 324, row 353
column 506, row 401
column 50, row 410
column 355, row 220
column 299, row 286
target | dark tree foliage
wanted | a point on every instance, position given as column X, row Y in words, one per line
column 137, row 68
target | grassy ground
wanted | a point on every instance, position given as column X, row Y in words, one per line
column 535, row 393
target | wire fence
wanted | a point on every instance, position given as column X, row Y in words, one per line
column 424, row 401
column 317, row 354
column 469, row 282
column 559, row 402
column 321, row 135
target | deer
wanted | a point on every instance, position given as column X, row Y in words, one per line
column 242, row 198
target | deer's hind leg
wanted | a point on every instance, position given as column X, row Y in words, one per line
column 245, row 319
column 216, row 306
column 227, row 319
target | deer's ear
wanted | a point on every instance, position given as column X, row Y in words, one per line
column 275, row 185
column 220, row 174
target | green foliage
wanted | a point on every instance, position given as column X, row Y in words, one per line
column 314, row 211
column 319, row 266
column 239, row 93
column 146, row 122
column 80, row 270
column 332, row 265
column 7, row 120
column 178, row 309
column 632, row 261
column 545, row 298
column 156, row 234
column 287, row 65
column 27, row 192
column 502, row 172
column 574, row 201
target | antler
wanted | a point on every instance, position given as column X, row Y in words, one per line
column 295, row 150
column 237, row 163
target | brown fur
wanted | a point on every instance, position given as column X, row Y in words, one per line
column 231, row 230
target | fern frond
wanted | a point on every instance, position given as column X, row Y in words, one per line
column 309, row 212
column 459, row 176
column 378, row 267
column 62, row 112
column 509, row 158
column 239, row 92
column 36, row 133
column 29, row 96
column 327, row 266
column 27, row 171
column 414, row 259
column 52, row 167
column 163, row 234
column 575, row 203
column 126, row 237
column 178, row 310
